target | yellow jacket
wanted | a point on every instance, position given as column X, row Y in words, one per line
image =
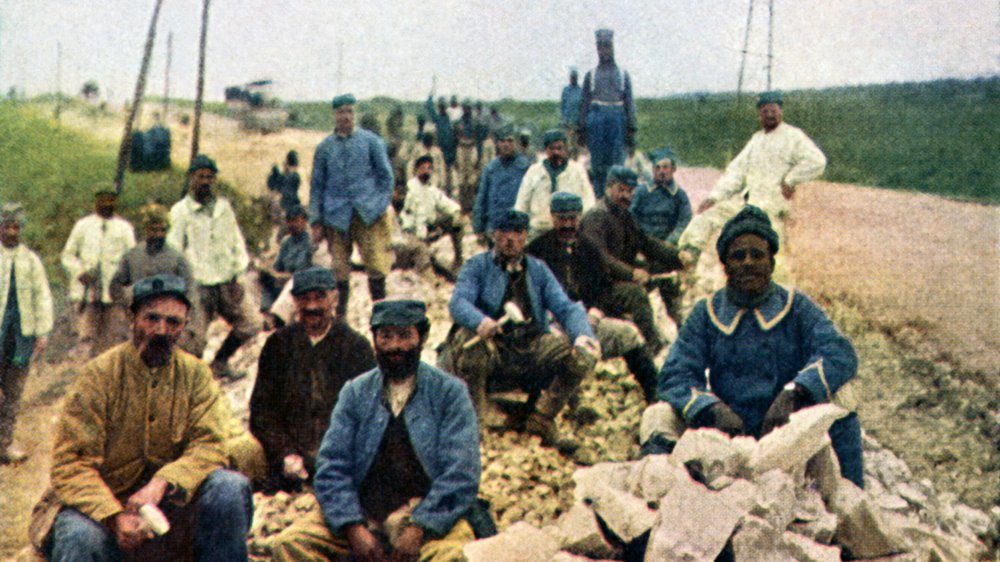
column 124, row 423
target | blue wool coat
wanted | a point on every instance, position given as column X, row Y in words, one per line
column 444, row 433
column 350, row 174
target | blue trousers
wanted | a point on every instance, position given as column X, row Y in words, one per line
column 220, row 515
column 605, row 141
column 845, row 436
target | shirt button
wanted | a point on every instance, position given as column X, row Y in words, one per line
column 152, row 418
column 154, row 383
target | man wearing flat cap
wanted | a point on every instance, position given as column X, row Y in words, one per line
column 777, row 159
column 351, row 191
column 612, row 228
column 428, row 214
column 90, row 257
column 492, row 347
column 300, row 373
column 556, row 172
column 426, row 147
column 580, row 267
column 769, row 351
column 399, row 466
column 145, row 425
column 607, row 111
column 295, row 254
column 499, row 183
column 203, row 227
column 26, row 303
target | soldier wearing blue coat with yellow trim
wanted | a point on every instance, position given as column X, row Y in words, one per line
column 769, row 351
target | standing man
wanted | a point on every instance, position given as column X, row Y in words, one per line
column 613, row 229
column 556, row 172
column 498, row 184
column 27, row 320
column 569, row 109
column 607, row 111
column 445, row 137
column 466, row 158
column 91, row 255
column 300, row 373
column 351, row 191
column 768, row 352
column 144, row 425
column 580, row 267
column 203, row 228
column 519, row 352
column 399, row 465
column 765, row 173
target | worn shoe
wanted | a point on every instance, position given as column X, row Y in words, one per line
column 544, row 427
column 13, row 455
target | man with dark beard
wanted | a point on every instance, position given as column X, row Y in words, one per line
column 299, row 376
column 399, row 466
column 144, row 425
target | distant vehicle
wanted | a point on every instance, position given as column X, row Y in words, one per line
column 255, row 107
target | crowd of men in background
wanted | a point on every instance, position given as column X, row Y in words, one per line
column 571, row 248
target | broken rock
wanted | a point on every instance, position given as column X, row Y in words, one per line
column 521, row 542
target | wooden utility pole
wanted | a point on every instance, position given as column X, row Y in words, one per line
column 770, row 40
column 166, row 76
column 58, row 80
column 196, row 131
column 746, row 45
column 140, row 86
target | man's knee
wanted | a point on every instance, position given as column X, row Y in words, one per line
column 226, row 491
column 76, row 536
column 661, row 419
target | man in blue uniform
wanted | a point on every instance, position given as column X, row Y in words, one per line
column 498, row 184
column 769, row 351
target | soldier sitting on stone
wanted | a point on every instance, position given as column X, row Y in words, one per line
column 428, row 214
column 294, row 255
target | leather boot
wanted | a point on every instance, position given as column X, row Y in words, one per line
column 220, row 365
column 644, row 371
column 376, row 288
column 343, row 296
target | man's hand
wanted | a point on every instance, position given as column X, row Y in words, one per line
column 787, row 402
column 706, row 205
column 130, row 530
column 640, row 276
column 41, row 342
column 407, row 547
column 722, row 417
column 364, row 545
column 294, row 468
column 317, row 233
column 488, row 328
column 152, row 493
column 787, row 190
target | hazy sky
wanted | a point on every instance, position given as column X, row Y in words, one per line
column 491, row 50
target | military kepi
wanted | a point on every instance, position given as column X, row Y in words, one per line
column 343, row 99
column 604, row 35
column 565, row 202
column 750, row 220
column 400, row 312
column 157, row 286
column 312, row 279
column 623, row 174
column 553, row 135
column 202, row 162
column 512, row 220
column 769, row 97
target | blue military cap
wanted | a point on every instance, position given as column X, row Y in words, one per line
column 553, row 135
column 202, row 162
column 506, row 132
column 398, row 312
column 12, row 212
column 296, row 211
column 624, row 175
column 765, row 98
column 663, row 154
column 512, row 220
column 604, row 35
column 157, row 286
column 312, row 279
column 750, row 220
column 565, row 202
column 342, row 100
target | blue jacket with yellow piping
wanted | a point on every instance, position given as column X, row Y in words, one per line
column 752, row 354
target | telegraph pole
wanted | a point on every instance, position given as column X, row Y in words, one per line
column 166, row 77
column 58, row 79
column 746, row 44
column 770, row 40
column 199, row 93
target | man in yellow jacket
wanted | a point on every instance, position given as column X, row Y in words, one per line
column 145, row 425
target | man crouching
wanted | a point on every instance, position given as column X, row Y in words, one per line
column 399, row 465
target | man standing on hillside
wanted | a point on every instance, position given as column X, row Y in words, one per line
column 569, row 109
column 765, row 173
column 445, row 138
column 26, row 303
column 607, row 111
column 498, row 184
column 91, row 255
column 351, row 191
column 554, row 173
column 204, row 228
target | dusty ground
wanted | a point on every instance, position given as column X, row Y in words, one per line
column 915, row 279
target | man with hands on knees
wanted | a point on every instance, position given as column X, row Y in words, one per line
column 769, row 351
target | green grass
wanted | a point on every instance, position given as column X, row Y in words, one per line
column 938, row 137
column 53, row 171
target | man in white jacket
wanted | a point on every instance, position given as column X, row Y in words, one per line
column 91, row 255
column 26, row 303
column 765, row 173
column 554, row 173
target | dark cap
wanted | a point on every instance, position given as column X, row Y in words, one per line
column 512, row 221
column 202, row 162
column 623, row 174
column 663, row 154
column 296, row 211
column 157, row 286
column 506, row 132
column 602, row 35
column 769, row 97
column 401, row 312
column 292, row 159
column 750, row 220
column 565, row 202
column 312, row 279
column 342, row 100
column 553, row 135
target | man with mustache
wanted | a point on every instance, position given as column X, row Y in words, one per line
column 91, row 255
column 768, row 351
column 399, row 465
column 556, row 172
column 498, row 184
column 300, row 373
column 429, row 213
column 144, row 425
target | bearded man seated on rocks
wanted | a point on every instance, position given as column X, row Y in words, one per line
column 769, row 351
